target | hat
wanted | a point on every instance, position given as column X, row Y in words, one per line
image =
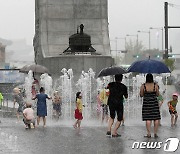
column 175, row 94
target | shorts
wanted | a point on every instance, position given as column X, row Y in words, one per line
column 20, row 108
column 116, row 109
column 27, row 122
column 171, row 112
column 57, row 107
column 105, row 109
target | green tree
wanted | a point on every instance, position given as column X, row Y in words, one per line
column 170, row 64
column 133, row 48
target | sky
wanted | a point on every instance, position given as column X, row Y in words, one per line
column 125, row 17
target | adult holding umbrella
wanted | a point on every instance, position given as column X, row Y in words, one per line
column 117, row 91
column 149, row 91
column 150, row 109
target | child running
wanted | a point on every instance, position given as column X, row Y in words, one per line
column 172, row 109
column 78, row 111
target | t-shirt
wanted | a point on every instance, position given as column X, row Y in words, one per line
column 19, row 99
column 173, row 103
column 29, row 113
column 104, row 96
column 1, row 98
column 79, row 104
column 117, row 91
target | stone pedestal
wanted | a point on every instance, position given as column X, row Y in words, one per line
column 77, row 63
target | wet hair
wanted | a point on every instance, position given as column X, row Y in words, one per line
column 41, row 89
column 28, row 105
column 77, row 95
column 149, row 78
column 118, row 77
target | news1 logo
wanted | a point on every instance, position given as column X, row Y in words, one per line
column 170, row 145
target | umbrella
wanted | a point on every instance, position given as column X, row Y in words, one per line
column 35, row 68
column 23, row 69
column 149, row 66
column 111, row 71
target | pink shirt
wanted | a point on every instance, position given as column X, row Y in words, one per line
column 29, row 113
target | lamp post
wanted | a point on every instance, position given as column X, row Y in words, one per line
column 148, row 32
column 115, row 41
column 120, row 38
column 124, row 38
column 135, row 36
column 160, row 28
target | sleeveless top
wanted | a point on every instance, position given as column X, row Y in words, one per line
column 150, row 109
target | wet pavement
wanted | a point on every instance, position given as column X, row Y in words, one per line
column 64, row 139
column 61, row 138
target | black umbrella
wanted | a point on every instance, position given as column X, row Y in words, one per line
column 111, row 71
column 34, row 68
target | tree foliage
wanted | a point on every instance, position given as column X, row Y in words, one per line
column 170, row 64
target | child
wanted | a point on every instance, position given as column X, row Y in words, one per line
column 56, row 104
column 104, row 98
column 18, row 98
column 78, row 111
column 172, row 109
column 1, row 99
column 29, row 119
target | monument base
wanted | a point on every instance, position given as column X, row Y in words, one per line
column 77, row 63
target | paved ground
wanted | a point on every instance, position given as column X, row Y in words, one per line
column 61, row 138
column 58, row 138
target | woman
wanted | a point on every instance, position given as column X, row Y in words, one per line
column 150, row 110
column 41, row 106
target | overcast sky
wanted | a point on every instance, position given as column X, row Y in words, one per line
column 125, row 17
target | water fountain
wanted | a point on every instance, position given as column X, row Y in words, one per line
column 28, row 86
column 86, row 85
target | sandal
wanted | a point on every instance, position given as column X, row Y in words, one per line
column 147, row 136
column 116, row 135
column 156, row 136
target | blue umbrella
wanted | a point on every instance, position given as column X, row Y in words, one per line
column 149, row 66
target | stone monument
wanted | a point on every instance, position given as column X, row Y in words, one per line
column 57, row 20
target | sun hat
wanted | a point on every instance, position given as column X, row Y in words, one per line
column 175, row 94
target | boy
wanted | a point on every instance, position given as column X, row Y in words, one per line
column 28, row 114
column 172, row 109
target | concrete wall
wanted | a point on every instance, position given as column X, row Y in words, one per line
column 77, row 63
column 56, row 20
